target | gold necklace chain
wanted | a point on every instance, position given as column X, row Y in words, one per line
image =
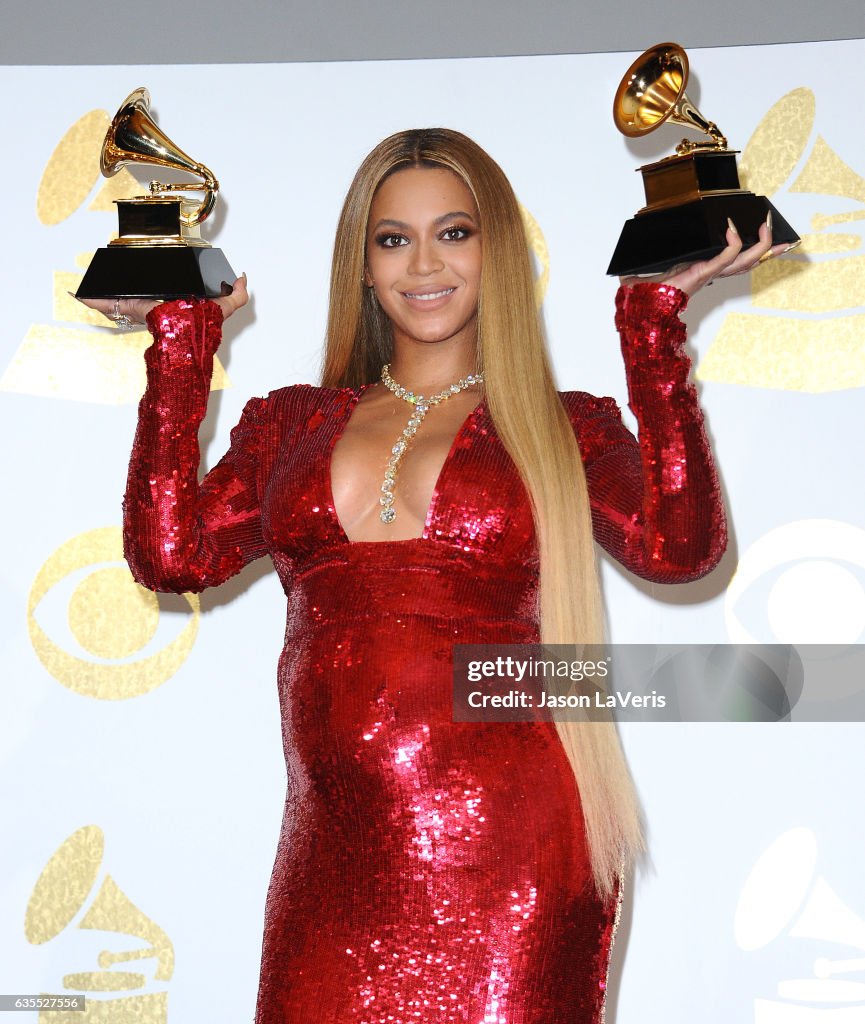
column 421, row 408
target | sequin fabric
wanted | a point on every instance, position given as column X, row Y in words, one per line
column 427, row 870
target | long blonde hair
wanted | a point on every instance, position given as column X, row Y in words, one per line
column 530, row 421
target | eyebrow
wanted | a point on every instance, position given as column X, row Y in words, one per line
column 452, row 215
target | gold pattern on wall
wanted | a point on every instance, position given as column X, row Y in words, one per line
column 64, row 884
column 72, row 172
column 111, row 616
column 103, row 367
column 805, row 338
column 834, row 242
column 771, row 154
column 538, row 245
column 147, row 1009
column 788, row 354
column 827, row 173
column 826, row 286
column 59, row 895
column 106, row 599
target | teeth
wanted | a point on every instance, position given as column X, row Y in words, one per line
column 429, row 296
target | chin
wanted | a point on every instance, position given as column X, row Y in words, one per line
column 433, row 334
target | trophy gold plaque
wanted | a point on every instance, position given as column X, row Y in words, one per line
column 689, row 196
column 159, row 252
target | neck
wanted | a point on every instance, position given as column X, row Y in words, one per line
column 432, row 368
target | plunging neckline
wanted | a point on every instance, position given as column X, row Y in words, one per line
column 348, row 409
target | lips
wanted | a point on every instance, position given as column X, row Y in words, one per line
column 429, row 296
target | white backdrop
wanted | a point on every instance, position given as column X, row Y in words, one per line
column 141, row 742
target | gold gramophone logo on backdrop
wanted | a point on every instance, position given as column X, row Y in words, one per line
column 67, row 892
column 67, row 358
column 803, row 334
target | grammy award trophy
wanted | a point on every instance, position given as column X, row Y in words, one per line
column 159, row 252
column 689, row 196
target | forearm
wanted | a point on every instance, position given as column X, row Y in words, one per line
column 681, row 523
column 164, row 538
column 656, row 504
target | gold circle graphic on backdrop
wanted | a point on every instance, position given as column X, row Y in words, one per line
column 111, row 616
column 64, row 884
column 538, row 245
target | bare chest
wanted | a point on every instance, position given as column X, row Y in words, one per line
column 360, row 457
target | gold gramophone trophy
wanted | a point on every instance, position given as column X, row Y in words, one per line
column 688, row 196
column 159, row 252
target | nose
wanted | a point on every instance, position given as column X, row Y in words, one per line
column 425, row 258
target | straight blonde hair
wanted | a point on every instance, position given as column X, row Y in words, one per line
column 533, row 426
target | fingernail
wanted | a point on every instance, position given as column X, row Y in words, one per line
column 769, row 220
column 793, row 245
column 732, row 226
column 243, row 275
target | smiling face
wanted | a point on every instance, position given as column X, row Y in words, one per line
column 423, row 248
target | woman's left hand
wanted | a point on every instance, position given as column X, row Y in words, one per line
column 731, row 260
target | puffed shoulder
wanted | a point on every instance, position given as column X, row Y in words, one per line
column 295, row 407
column 581, row 405
column 301, row 396
column 597, row 423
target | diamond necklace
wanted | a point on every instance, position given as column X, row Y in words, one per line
column 421, row 408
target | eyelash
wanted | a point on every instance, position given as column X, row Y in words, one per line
column 385, row 237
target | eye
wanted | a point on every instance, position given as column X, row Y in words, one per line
column 455, row 233
column 391, row 240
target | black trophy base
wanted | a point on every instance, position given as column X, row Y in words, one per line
column 653, row 242
column 156, row 272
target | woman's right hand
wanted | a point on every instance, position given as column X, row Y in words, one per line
column 137, row 309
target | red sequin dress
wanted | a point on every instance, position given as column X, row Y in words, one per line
column 427, row 870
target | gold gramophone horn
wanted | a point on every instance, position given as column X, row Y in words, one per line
column 652, row 91
column 134, row 137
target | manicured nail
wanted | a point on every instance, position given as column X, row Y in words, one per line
column 769, row 221
column 793, row 245
column 732, row 226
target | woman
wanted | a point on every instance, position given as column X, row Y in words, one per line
column 430, row 870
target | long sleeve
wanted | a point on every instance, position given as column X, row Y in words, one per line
column 180, row 535
column 656, row 504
